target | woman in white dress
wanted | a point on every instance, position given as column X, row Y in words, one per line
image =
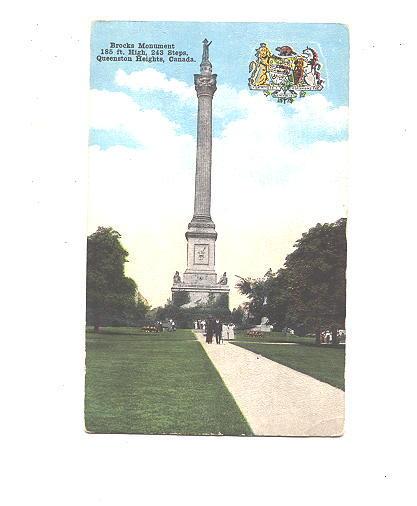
column 231, row 331
column 225, row 334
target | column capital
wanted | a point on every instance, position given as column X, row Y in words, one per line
column 205, row 84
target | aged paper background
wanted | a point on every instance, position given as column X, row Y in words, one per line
column 49, row 459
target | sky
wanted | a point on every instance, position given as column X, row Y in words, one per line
column 278, row 169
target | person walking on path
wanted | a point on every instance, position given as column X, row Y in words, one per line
column 231, row 331
column 218, row 331
column 209, row 325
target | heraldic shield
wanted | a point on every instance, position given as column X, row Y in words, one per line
column 287, row 74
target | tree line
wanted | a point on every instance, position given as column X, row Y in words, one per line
column 308, row 294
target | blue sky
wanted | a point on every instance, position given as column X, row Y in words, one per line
column 233, row 47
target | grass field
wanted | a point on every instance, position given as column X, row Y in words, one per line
column 155, row 384
column 273, row 337
column 325, row 363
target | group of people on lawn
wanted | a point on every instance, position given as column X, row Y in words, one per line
column 326, row 336
column 214, row 327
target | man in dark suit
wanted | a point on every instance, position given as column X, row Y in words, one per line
column 218, row 330
column 209, row 329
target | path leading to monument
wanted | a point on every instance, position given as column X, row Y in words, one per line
column 276, row 400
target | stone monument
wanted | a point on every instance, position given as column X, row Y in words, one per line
column 199, row 283
column 264, row 325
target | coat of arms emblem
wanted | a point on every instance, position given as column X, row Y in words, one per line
column 287, row 74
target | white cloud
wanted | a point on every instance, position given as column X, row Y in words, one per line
column 316, row 112
column 118, row 111
column 311, row 116
column 226, row 100
column 266, row 191
column 153, row 80
column 311, row 112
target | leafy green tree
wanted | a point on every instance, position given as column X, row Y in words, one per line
column 316, row 278
column 257, row 291
column 309, row 292
column 277, row 299
column 142, row 307
column 180, row 298
column 111, row 296
column 222, row 301
column 238, row 316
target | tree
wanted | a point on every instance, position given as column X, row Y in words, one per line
column 238, row 316
column 111, row 296
column 309, row 292
column 316, row 276
column 277, row 300
column 180, row 298
column 222, row 301
column 256, row 291
column 142, row 307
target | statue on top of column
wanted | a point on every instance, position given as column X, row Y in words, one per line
column 205, row 65
column 206, row 44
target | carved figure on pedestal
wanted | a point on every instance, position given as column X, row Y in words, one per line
column 223, row 279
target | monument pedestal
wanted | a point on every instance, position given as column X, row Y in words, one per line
column 200, row 295
column 199, row 280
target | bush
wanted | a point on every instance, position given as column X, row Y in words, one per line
column 254, row 333
column 180, row 298
column 185, row 317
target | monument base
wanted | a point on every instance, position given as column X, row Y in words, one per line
column 192, row 295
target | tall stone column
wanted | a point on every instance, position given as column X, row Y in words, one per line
column 199, row 281
column 205, row 86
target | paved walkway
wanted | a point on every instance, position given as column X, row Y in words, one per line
column 276, row 400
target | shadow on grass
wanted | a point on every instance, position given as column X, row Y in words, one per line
column 324, row 346
column 133, row 334
column 124, row 334
column 122, row 331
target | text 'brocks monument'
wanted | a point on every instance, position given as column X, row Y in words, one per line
column 199, row 285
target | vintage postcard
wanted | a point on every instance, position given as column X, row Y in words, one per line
column 216, row 249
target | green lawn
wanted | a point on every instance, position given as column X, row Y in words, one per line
column 273, row 337
column 155, row 384
column 324, row 363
